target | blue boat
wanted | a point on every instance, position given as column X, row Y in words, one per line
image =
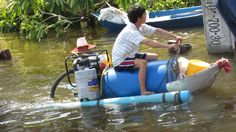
column 168, row 19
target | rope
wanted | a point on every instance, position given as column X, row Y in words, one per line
column 101, row 81
column 164, row 98
column 179, row 97
column 167, row 69
column 174, row 68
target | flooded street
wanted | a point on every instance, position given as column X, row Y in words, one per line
column 25, row 84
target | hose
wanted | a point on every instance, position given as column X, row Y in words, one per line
column 58, row 80
column 173, row 64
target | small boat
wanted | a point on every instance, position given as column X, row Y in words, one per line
column 115, row 20
column 164, row 77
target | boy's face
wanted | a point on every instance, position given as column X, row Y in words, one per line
column 143, row 18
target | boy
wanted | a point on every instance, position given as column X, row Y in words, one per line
column 125, row 55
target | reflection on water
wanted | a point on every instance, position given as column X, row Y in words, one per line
column 25, row 84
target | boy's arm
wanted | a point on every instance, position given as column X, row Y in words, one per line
column 168, row 35
column 157, row 44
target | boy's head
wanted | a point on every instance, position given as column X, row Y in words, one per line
column 135, row 12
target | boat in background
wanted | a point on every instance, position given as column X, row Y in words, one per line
column 168, row 19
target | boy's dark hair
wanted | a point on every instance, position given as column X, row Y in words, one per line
column 134, row 12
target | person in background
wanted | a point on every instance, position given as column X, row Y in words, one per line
column 125, row 52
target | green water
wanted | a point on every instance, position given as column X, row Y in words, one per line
column 25, row 83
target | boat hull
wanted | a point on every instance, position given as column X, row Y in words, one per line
column 197, row 82
column 185, row 22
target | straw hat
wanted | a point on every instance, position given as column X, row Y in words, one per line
column 82, row 45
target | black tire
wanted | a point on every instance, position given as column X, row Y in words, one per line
column 58, row 80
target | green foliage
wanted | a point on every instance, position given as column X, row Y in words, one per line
column 5, row 26
column 171, row 4
column 124, row 4
column 56, row 6
column 23, row 16
column 154, row 5
column 33, row 27
column 36, row 18
column 82, row 6
column 6, row 22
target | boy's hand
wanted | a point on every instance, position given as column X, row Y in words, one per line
column 173, row 46
column 179, row 40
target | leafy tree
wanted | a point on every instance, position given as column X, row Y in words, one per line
column 36, row 18
column 155, row 5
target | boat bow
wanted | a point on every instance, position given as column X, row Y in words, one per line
column 197, row 82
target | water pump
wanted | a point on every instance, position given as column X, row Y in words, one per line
column 87, row 70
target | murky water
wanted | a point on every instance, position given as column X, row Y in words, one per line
column 25, row 84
